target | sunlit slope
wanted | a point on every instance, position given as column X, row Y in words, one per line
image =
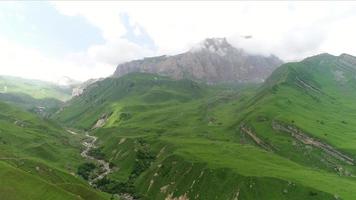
column 37, row 157
column 24, row 134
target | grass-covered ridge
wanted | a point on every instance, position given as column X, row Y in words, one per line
column 316, row 96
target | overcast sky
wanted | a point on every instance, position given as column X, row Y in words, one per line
column 82, row 40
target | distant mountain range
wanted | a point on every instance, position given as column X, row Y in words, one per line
column 214, row 60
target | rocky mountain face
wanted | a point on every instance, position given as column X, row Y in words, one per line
column 79, row 88
column 213, row 61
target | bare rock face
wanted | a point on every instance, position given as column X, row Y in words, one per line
column 212, row 61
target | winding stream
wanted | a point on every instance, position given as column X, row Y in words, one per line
column 105, row 167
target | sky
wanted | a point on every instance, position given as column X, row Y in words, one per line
column 82, row 40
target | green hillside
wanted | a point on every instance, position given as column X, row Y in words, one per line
column 34, row 88
column 43, row 107
column 102, row 98
column 42, row 98
column 291, row 138
column 37, row 158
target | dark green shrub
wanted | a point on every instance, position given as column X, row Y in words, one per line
column 97, row 153
column 85, row 169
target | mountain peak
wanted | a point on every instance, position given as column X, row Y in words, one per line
column 219, row 46
column 347, row 56
column 216, row 42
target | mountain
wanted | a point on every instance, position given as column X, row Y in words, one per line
column 212, row 61
column 288, row 138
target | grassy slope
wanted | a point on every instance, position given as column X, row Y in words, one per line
column 34, row 88
column 36, row 157
column 192, row 123
column 30, row 187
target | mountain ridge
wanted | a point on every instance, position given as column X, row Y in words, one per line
column 212, row 61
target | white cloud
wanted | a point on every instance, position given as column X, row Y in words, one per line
column 117, row 51
column 297, row 43
column 291, row 30
column 17, row 60
column 100, row 14
column 137, row 31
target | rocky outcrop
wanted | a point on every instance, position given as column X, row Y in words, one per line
column 347, row 60
column 302, row 84
column 303, row 137
column 212, row 61
column 80, row 88
column 245, row 130
column 182, row 197
column 101, row 121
